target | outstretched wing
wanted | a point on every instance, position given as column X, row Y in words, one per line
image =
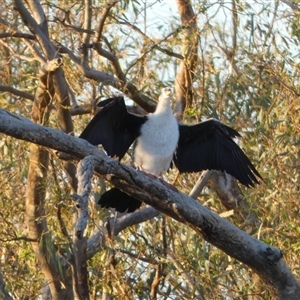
column 113, row 127
column 210, row 145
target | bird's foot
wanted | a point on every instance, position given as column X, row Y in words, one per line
column 161, row 180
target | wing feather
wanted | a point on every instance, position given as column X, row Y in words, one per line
column 113, row 127
column 210, row 145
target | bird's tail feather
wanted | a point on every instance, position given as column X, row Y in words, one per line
column 119, row 200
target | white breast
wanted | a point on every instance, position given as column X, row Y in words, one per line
column 157, row 143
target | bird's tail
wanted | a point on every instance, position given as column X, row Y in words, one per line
column 119, row 200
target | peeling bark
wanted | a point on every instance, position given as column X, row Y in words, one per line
column 36, row 187
column 44, row 93
column 185, row 74
column 35, row 216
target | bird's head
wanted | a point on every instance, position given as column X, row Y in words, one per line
column 165, row 93
column 164, row 100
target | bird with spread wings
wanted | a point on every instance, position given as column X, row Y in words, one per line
column 159, row 139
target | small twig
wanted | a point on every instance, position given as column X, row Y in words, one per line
column 17, row 35
column 150, row 261
column 19, row 238
column 73, row 27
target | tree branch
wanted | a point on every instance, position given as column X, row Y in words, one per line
column 36, row 186
column 200, row 184
column 9, row 89
column 104, row 14
column 97, row 239
column 129, row 89
column 40, row 30
column 17, row 35
column 84, row 175
column 184, row 77
column 154, row 44
column 265, row 260
column 73, row 27
column 230, row 194
column 58, row 85
column 292, row 5
column 86, row 35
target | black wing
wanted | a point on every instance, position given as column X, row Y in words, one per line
column 210, row 145
column 113, row 127
column 119, row 200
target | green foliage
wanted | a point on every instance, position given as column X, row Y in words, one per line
column 251, row 84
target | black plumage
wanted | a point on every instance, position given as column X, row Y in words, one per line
column 120, row 201
column 207, row 145
column 113, row 127
column 210, row 145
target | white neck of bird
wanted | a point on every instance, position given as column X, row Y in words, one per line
column 164, row 104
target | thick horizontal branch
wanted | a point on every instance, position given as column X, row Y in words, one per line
column 265, row 260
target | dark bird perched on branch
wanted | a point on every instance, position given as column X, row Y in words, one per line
column 160, row 139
